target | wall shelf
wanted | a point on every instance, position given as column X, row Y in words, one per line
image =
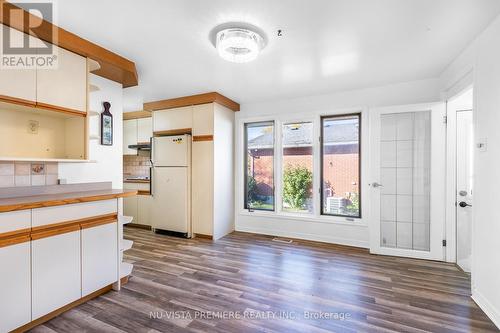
column 123, row 219
column 125, row 269
column 126, row 244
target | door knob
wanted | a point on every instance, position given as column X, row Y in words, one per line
column 375, row 185
column 464, row 204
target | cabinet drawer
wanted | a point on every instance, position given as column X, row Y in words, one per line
column 13, row 221
column 58, row 214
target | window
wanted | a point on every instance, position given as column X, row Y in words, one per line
column 259, row 162
column 340, row 165
column 297, row 167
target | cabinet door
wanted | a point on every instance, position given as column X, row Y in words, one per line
column 15, row 286
column 144, row 129
column 203, row 119
column 173, row 119
column 203, row 176
column 130, row 208
column 56, row 273
column 99, row 257
column 129, row 136
column 66, row 86
column 144, row 209
column 17, row 83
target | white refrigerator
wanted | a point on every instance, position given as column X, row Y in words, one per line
column 171, row 185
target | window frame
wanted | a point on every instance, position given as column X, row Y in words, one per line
column 281, row 166
column 359, row 115
column 245, row 166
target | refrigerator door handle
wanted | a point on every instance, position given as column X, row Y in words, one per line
column 151, row 154
column 151, row 181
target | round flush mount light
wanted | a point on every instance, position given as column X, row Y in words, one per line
column 239, row 45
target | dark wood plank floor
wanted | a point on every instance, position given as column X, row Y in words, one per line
column 275, row 287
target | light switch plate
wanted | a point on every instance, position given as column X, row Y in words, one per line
column 482, row 145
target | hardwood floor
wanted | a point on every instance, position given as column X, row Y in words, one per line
column 280, row 285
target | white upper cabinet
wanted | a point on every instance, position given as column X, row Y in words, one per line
column 65, row 86
column 17, row 83
column 144, row 129
column 203, row 119
column 173, row 119
column 129, row 136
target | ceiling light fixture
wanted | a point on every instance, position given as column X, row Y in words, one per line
column 239, row 45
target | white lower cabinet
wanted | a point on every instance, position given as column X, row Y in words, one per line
column 15, row 286
column 56, row 273
column 144, row 209
column 130, row 207
column 99, row 257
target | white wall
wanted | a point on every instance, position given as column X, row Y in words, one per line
column 107, row 162
column 223, row 171
column 321, row 228
column 483, row 56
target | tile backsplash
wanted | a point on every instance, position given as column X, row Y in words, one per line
column 136, row 165
column 27, row 174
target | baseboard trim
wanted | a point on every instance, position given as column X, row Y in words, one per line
column 309, row 237
column 204, row 236
column 487, row 307
column 139, row 226
column 65, row 308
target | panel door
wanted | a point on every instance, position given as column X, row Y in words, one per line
column 203, row 183
column 144, row 209
column 17, row 83
column 129, row 136
column 144, row 130
column 65, row 86
column 99, row 257
column 15, row 286
column 203, row 119
column 56, row 273
column 407, row 181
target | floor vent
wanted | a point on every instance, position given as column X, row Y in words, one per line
column 282, row 240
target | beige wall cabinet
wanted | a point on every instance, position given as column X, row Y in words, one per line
column 144, row 130
column 17, row 83
column 136, row 131
column 203, row 119
column 129, row 136
column 66, row 86
column 173, row 119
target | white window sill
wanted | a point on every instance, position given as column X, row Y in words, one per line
column 306, row 218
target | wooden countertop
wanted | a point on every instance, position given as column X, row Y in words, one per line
column 140, row 181
column 48, row 200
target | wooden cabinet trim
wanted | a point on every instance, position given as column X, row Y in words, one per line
column 15, row 237
column 70, row 227
column 197, row 138
column 17, row 101
column 112, row 66
column 180, row 131
column 60, row 109
column 143, row 192
column 137, row 115
column 212, row 97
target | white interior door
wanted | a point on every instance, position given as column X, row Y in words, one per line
column 464, row 189
column 408, row 181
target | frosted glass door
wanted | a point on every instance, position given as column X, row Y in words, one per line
column 407, row 181
column 405, row 176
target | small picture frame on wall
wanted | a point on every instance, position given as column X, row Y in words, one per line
column 106, row 125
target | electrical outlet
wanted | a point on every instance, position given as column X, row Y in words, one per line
column 33, row 126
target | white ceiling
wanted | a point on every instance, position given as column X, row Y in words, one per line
column 327, row 45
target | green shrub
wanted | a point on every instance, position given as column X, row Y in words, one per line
column 297, row 184
column 251, row 189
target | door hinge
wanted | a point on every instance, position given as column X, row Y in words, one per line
column 444, row 242
column 445, row 119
